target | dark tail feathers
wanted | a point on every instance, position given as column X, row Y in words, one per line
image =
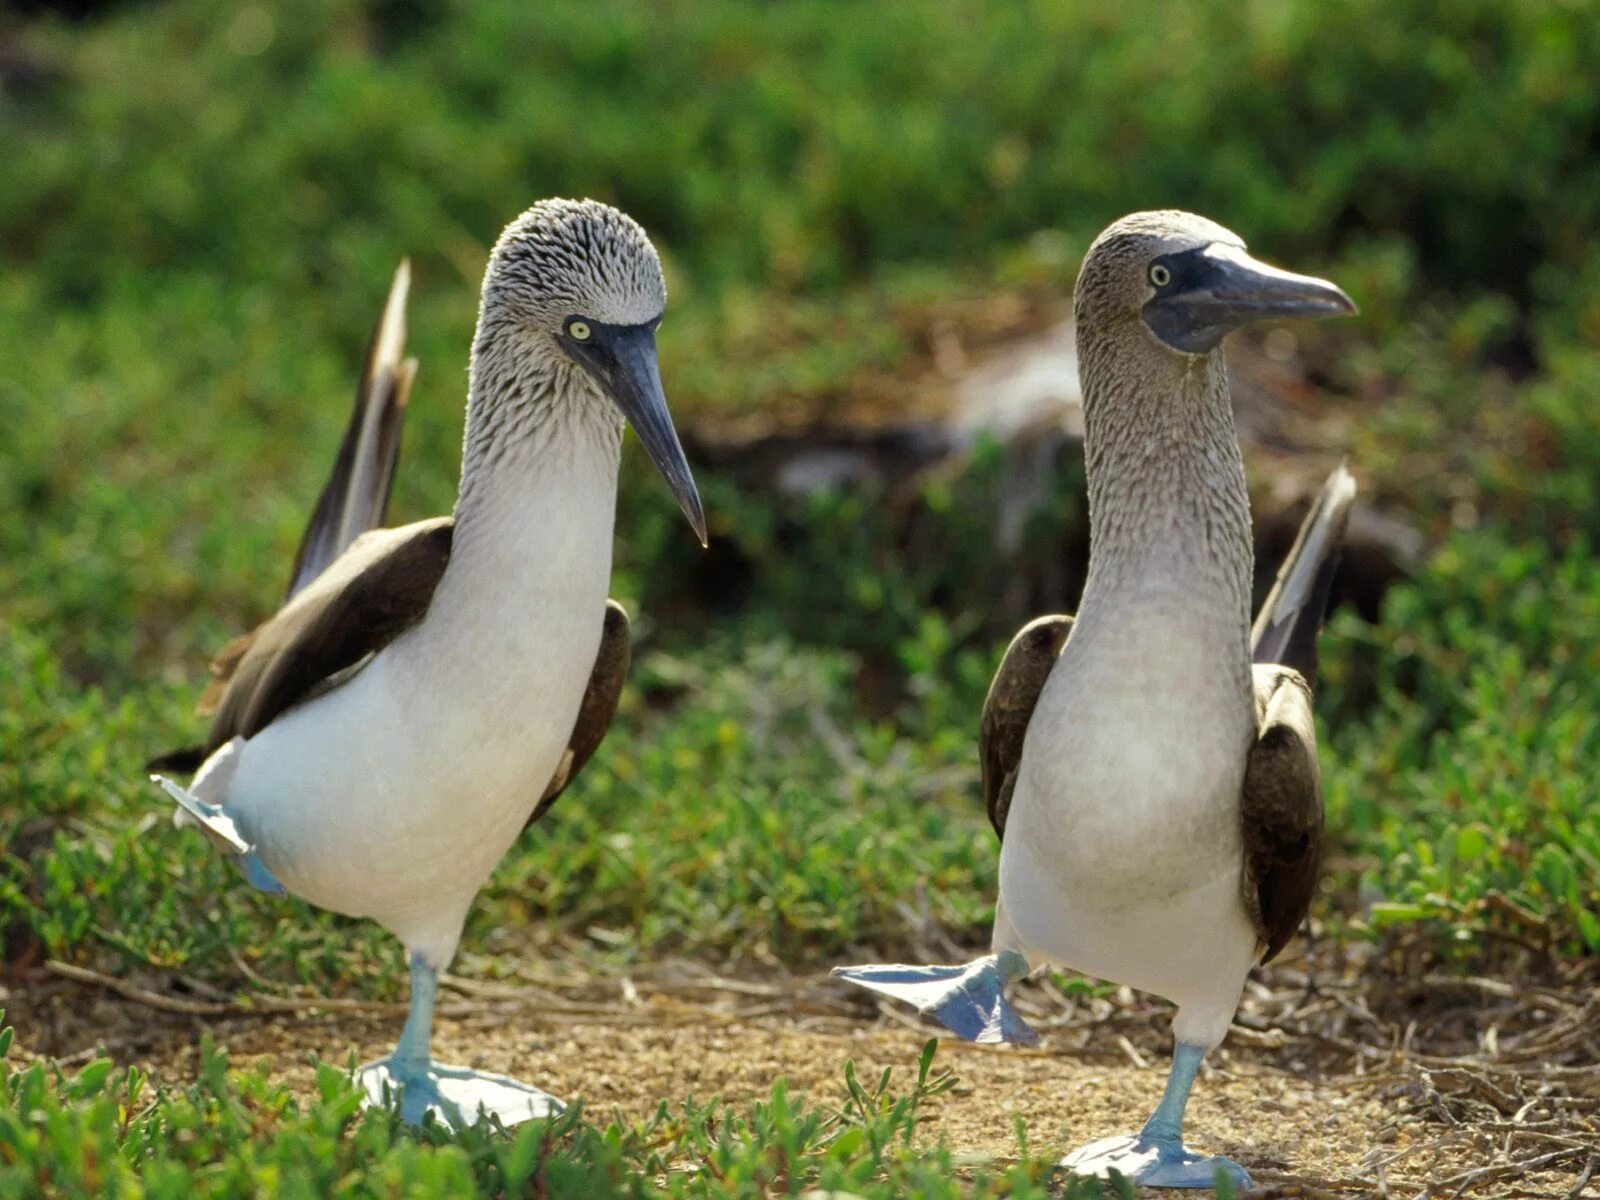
column 357, row 494
column 185, row 761
column 1291, row 617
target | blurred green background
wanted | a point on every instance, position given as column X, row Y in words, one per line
column 200, row 207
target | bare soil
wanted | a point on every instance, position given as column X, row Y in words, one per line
column 1314, row 1091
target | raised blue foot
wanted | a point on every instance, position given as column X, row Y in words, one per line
column 1155, row 1156
column 222, row 832
column 212, row 821
column 1149, row 1162
column 969, row 1000
column 457, row 1096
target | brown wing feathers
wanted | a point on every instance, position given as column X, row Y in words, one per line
column 376, row 590
column 1281, row 802
column 353, row 501
column 1009, row 707
column 1281, row 810
column 356, row 496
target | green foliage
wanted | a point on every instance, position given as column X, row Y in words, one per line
column 106, row 1132
column 308, row 143
column 888, row 578
column 1469, row 779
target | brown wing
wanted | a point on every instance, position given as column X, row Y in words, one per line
column 1281, row 809
column 374, row 591
column 1009, row 708
column 353, row 501
column 1290, row 620
column 356, row 496
column 599, row 704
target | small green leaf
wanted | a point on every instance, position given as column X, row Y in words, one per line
column 1472, row 842
column 92, row 1078
column 848, row 1142
column 1394, row 912
column 1589, row 928
column 925, row 1060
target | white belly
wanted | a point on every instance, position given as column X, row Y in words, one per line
column 1123, row 854
column 394, row 795
column 390, row 800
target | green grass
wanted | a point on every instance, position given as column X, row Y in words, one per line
column 202, row 205
column 108, row 1132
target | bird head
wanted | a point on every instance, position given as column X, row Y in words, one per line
column 1189, row 282
column 578, row 283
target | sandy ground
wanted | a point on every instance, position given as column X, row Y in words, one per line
column 1303, row 1126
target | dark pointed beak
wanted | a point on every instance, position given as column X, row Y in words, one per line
column 1221, row 288
column 622, row 359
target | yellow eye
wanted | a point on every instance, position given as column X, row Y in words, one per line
column 578, row 331
column 1159, row 275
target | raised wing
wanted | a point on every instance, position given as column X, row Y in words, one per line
column 1009, row 708
column 375, row 591
column 599, row 704
column 1290, row 621
column 1281, row 802
column 281, row 662
column 356, row 496
column 1281, row 807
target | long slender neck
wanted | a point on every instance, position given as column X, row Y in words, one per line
column 1169, row 514
column 514, row 623
column 539, row 433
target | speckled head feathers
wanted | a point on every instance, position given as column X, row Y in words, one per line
column 567, row 258
column 1114, row 280
column 1191, row 282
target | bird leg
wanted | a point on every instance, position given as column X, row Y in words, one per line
column 1156, row 1155
column 967, row 999
column 223, row 833
column 456, row 1096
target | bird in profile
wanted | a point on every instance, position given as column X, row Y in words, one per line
column 1151, row 765
column 426, row 692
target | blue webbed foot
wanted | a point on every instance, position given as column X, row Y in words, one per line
column 969, row 999
column 224, row 833
column 212, row 821
column 456, row 1096
column 1150, row 1161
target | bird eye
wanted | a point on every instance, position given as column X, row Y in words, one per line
column 1160, row 276
column 578, row 331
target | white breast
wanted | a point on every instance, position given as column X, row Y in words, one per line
column 1122, row 852
column 393, row 796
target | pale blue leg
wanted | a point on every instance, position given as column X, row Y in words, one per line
column 1156, row 1156
column 456, row 1096
column 969, row 1000
column 256, row 874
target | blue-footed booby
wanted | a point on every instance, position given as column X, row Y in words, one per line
column 1151, row 765
column 426, row 692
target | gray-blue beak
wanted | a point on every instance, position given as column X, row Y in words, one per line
column 1219, row 288
column 622, row 359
